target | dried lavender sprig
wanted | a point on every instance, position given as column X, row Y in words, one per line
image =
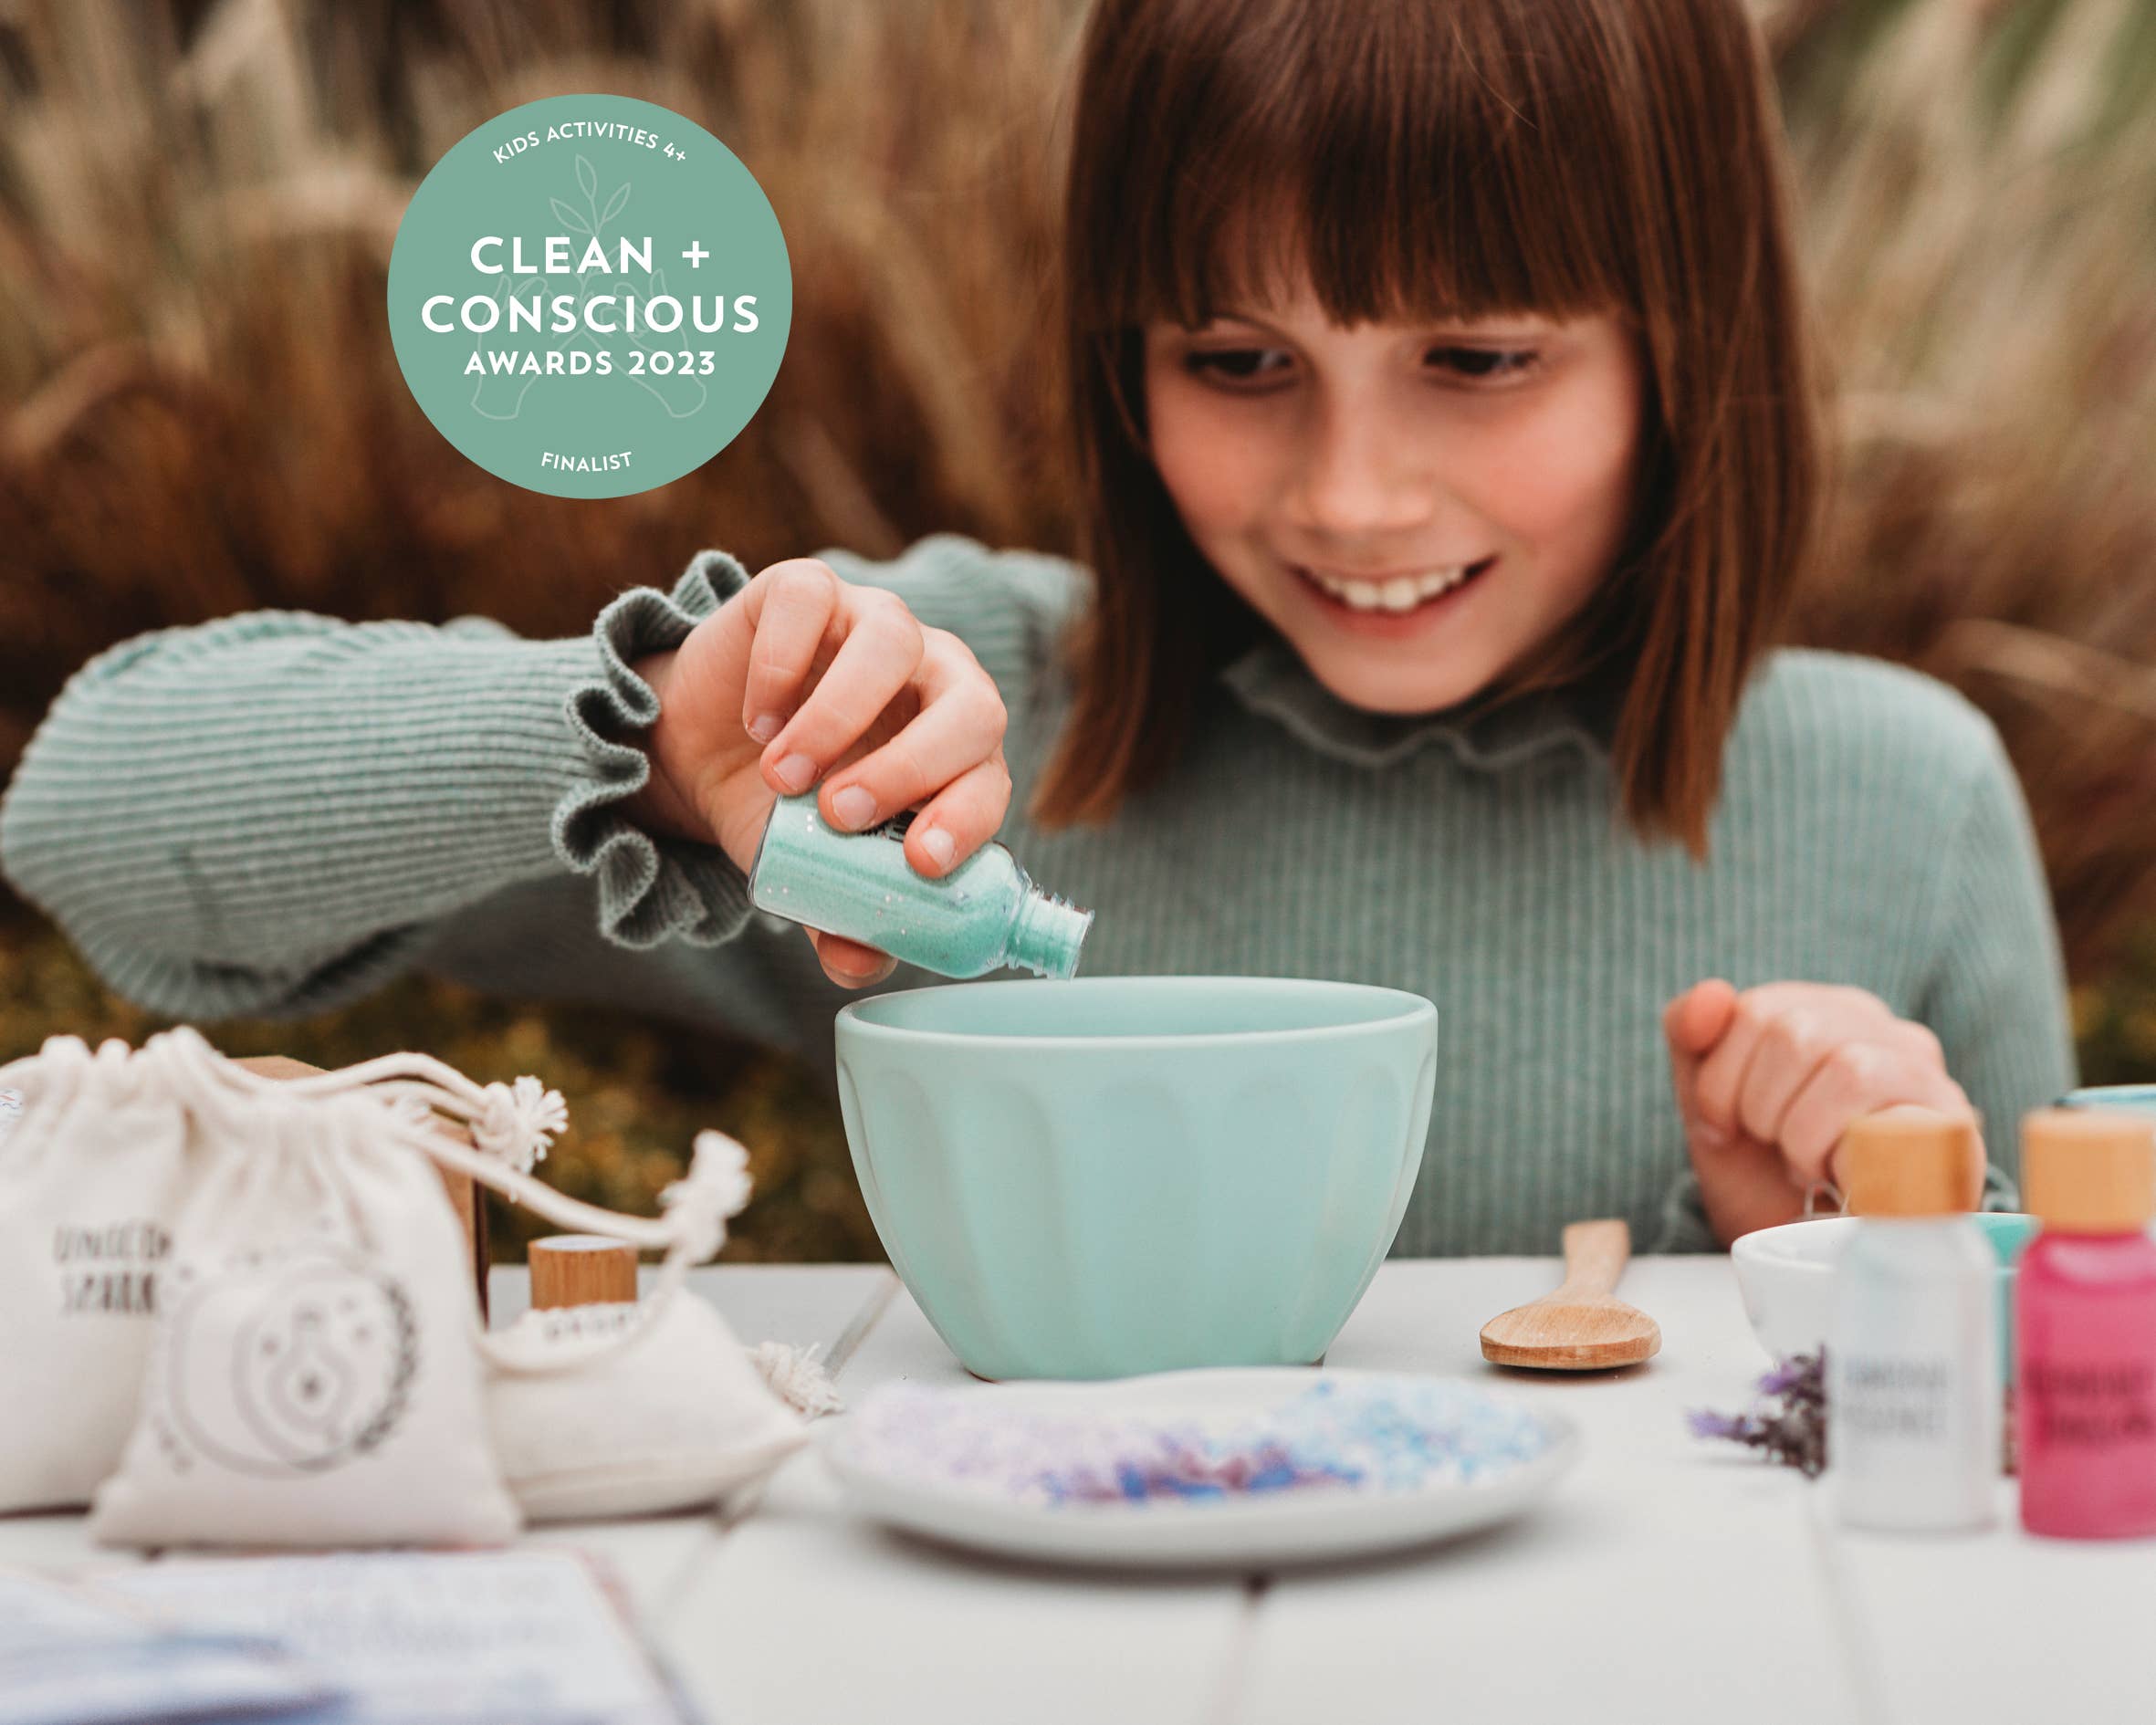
column 1794, row 1433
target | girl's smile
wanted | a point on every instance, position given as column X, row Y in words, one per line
column 1417, row 506
column 1386, row 605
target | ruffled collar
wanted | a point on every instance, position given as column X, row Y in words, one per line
column 1271, row 679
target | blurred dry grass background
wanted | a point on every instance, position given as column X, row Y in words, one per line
column 200, row 412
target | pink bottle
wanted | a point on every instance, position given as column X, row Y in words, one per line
column 2085, row 1322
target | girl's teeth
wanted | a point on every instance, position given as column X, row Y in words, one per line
column 1403, row 592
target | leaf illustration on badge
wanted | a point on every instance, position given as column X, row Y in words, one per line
column 500, row 396
column 292, row 1364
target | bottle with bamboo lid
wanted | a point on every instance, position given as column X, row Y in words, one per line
column 2086, row 1318
column 1912, row 1362
column 580, row 1270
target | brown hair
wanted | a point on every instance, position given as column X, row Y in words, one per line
column 1451, row 159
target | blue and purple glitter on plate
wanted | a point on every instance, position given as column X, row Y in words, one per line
column 1365, row 1434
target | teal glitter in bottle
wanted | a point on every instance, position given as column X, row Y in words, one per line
column 984, row 913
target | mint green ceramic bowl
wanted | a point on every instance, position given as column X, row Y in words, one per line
column 1111, row 1176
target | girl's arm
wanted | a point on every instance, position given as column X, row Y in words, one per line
column 1997, row 995
column 275, row 813
column 1992, row 998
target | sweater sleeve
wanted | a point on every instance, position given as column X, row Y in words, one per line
column 1993, row 986
column 1996, row 991
column 271, row 814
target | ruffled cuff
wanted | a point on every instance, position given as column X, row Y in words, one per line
column 652, row 888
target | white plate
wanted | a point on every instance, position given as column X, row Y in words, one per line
column 1296, row 1526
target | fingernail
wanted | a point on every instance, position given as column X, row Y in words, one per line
column 1713, row 1138
column 939, row 845
column 854, row 806
column 796, row 772
column 764, row 726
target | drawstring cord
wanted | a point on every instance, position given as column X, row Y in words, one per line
column 513, row 1126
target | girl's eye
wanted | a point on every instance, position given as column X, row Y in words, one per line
column 1234, row 363
column 1482, row 365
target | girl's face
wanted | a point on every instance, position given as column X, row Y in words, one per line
column 1415, row 507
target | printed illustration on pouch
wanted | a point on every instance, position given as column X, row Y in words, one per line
column 282, row 1364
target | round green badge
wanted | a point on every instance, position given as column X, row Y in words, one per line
column 590, row 295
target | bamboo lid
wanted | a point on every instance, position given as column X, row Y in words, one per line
column 1909, row 1161
column 2089, row 1170
column 581, row 1270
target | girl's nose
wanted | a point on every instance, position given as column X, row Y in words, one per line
column 1360, row 479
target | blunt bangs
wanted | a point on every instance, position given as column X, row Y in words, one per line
column 1410, row 162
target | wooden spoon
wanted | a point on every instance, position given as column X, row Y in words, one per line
column 1581, row 1327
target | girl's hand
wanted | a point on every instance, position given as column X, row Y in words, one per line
column 1768, row 1080
column 800, row 678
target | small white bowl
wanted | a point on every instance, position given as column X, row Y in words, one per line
column 1786, row 1274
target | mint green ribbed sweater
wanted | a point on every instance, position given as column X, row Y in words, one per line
column 277, row 812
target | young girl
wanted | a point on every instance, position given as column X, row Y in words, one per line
column 1448, row 454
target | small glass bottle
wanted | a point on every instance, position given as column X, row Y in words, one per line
column 2085, row 1302
column 984, row 913
column 1913, row 1355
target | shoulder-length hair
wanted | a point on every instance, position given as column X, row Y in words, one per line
column 1435, row 159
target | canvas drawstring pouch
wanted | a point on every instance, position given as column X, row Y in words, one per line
column 313, row 1376
column 651, row 1405
column 98, row 1154
column 628, row 1408
column 296, row 1354
column 91, row 1173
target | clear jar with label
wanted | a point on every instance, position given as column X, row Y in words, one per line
column 1913, row 1394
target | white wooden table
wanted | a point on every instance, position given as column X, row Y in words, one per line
column 1668, row 1579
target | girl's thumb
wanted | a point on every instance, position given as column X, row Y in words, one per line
column 1700, row 1017
column 1694, row 1022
